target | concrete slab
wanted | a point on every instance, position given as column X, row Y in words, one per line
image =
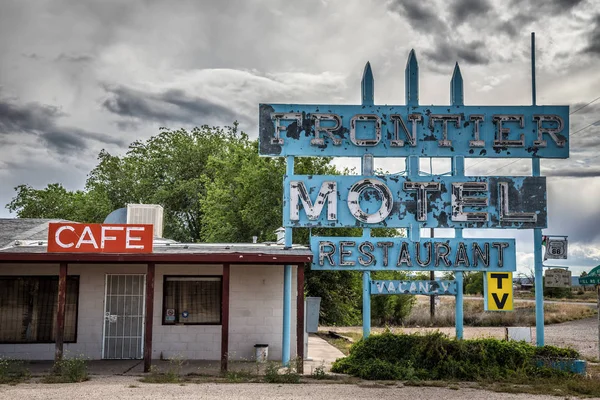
column 321, row 353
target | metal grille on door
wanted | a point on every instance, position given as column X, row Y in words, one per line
column 124, row 306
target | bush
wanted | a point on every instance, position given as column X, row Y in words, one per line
column 435, row 356
column 68, row 370
column 13, row 371
column 273, row 373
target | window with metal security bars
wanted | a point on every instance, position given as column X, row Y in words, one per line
column 192, row 300
column 28, row 307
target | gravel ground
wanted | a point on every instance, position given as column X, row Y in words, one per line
column 582, row 335
column 103, row 388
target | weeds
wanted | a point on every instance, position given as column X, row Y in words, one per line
column 274, row 373
column 68, row 370
column 319, row 372
column 13, row 371
column 171, row 375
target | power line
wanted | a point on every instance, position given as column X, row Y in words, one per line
column 582, row 107
column 505, row 165
column 579, row 130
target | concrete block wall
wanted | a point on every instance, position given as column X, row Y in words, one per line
column 256, row 313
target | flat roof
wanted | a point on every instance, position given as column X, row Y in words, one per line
column 169, row 253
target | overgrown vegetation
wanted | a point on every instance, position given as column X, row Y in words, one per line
column 172, row 374
column 276, row 373
column 13, row 371
column 434, row 356
column 68, row 370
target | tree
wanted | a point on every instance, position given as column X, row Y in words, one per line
column 214, row 187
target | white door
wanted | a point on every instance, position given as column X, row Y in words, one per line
column 124, row 305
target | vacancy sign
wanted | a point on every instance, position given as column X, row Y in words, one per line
column 499, row 291
column 100, row 238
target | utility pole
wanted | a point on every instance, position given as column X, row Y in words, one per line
column 431, row 298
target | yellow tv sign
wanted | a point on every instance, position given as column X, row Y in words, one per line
column 499, row 291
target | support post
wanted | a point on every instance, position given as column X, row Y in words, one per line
column 287, row 285
column 366, row 311
column 598, row 294
column 458, row 169
column 60, row 312
column 431, row 277
column 537, row 233
column 149, row 317
column 225, row 316
column 300, row 318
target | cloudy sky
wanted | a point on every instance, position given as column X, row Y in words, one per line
column 79, row 76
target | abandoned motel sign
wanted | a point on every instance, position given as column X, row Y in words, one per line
column 425, row 131
column 436, row 287
column 397, row 201
column 389, row 254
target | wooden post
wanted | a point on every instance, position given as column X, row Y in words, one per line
column 60, row 312
column 225, row 317
column 300, row 318
column 149, row 317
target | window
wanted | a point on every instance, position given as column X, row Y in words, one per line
column 192, row 300
column 28, row 306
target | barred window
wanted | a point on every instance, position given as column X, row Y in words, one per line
column 28, row 307
column 192, row 300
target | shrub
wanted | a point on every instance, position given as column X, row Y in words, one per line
column 273, row 373
column 13, row 371
column 68, row 370
column 435, row 356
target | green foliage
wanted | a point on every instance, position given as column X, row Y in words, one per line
column 473, row 282
column 390, row 310
column 274, row 373
column 214, row 187
column 172, row 374
column 319, row 372
column 434, row 356
column 68, row 370
column 13, row 371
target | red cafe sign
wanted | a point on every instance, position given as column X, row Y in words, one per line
column 100, row 238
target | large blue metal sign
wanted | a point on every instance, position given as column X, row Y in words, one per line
column 397, row 201
column 437, row 287
column 389, row 254
column 424, row 131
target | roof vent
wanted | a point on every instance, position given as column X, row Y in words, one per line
column 280, row 232
column 146, row 214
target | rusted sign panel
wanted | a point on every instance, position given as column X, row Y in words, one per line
column 397, row 201
column 557, row 277
column 428, row 288
column 388, row 254
column 425, row 131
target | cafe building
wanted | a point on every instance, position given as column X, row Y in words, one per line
column 120, row 291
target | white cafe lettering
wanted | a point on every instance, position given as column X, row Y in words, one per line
column 405, row 128
column 87, row 237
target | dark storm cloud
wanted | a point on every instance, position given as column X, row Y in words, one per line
column 168, row 106
column 41, row 120
column 462, row 10
column 446, row 52
column 529, row 11
column 74, row 58
column 421, row 14
column 574, row 172
column 593, row 46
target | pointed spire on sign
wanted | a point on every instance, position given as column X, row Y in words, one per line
column 368, row 86
column 411, row 82
column 457, row 97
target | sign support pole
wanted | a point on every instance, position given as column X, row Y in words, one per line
column 537, row 233
column 287, row 285
column 458, row 169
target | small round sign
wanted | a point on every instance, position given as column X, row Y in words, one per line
column 185, row 314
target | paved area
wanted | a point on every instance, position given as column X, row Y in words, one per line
column 127, row 387
column 320, row 353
